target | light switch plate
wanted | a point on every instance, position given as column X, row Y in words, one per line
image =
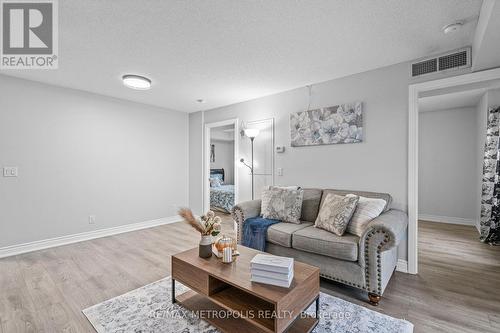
column 10, row 171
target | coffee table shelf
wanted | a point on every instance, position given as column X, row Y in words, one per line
column 227, row 287
column 195, row 302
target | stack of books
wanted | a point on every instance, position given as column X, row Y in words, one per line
column 274, row 270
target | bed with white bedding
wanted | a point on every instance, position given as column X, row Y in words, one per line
column 221, row 194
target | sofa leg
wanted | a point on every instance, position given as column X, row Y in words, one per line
column 374, row 299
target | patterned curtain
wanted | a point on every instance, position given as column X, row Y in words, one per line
column 490, row 196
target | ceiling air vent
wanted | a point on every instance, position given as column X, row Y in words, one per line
column 450, row 61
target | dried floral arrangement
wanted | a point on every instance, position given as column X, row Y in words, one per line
column 206, row 225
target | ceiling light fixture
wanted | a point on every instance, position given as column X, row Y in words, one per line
column 136, row 82
column 200, row 100
column 453, row 27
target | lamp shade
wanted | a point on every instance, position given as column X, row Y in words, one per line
column 252, row 132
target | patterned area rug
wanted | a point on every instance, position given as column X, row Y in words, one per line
column 149, row 309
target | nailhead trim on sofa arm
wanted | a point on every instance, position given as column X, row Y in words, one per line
column 368, row 237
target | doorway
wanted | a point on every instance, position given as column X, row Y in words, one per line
column 485, row 80
column 220, row 167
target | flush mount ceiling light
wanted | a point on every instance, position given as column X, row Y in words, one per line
column 200, row 100
column 136, row 82
column 453, row 27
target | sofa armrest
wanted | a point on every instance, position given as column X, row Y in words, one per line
column 392, row 224
column 377, row 248
column 242, row 211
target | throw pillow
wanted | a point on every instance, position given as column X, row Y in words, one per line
column 366, row 210
column 335, row 213
column 282, row 204
column 215, row 182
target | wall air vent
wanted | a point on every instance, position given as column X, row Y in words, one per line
column 447, row 62
column 424, row 67
column 454, row 60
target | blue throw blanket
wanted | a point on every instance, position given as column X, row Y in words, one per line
column 255, row 232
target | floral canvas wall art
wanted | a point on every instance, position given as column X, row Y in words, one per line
column 329, row 125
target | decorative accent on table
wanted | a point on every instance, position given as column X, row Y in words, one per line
column 208, row 225
column 227, row 255
column 222, row 243
column 271, row 269
column 330, row 125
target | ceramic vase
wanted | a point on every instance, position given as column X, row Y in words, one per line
column 205, row 247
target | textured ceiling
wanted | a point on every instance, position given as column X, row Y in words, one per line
column 228, row 51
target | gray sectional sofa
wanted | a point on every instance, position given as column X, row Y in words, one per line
column 365, row 262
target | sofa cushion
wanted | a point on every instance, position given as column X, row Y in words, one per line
column 282, row 204
column 366, row 210
column 310, row 204
column 325, row 243
column 387, row 197
column 281, row 233
column 336, row 212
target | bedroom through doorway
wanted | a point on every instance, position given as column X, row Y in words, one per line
column 221, row 170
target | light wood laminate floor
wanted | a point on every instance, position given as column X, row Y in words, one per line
column 457, row 289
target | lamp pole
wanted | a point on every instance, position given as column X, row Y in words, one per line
column 251, row 133
column 251, row 139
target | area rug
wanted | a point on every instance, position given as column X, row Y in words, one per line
column 149, row 309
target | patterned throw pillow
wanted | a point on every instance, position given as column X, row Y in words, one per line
column 282, row 204
column 366, row 210
column 335, row 213
column 215, row 182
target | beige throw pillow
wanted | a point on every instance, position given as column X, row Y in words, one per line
column 366, row 210
column 282, row 204
column 335, row 213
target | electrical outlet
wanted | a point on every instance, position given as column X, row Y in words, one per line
column 91, row 219
column 10, row 171
column 280, row 171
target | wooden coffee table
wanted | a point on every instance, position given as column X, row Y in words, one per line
column 248, row 307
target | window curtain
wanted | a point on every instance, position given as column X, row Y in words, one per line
column 490, row 195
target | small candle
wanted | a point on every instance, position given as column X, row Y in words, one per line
column 227, row 255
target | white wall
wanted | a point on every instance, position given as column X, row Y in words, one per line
column 196, row 158
column 82, row 154
column 494, row 98
column 448, row 167
column 377, row 164
column 224, row 159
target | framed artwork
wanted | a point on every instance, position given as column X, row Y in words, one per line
column 325, row 126
column 212, row 153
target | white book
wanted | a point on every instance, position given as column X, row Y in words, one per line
column 272, row 275
column 272, row 263
column 274, row 282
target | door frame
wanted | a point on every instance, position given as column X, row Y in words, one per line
column 414, row 90
column 206, row 156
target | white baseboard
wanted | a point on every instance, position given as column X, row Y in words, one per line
column 447, row 219
column 75, row 238
column 402, row 266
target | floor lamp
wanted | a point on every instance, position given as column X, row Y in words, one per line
column 251, row 133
